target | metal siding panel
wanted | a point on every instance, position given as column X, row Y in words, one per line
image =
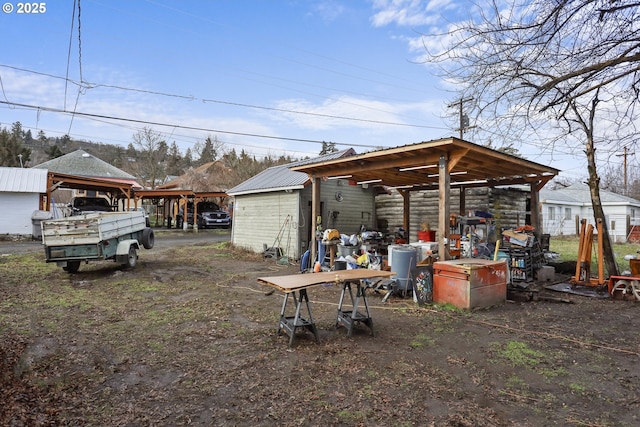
column 23, row 180
column 258, row 219
column 356, row 209
column 17, row 219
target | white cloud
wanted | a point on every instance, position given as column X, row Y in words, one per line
column 410, row 13
column 328, row 10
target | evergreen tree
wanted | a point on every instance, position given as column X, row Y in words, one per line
column 188, row 159
column 174, row 160
column 328, row 147
column 12, row 152
column 53, row 152
column 208, row 150
column 28, row 137
column 42, row 137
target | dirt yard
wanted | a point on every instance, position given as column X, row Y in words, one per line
column 189, row 338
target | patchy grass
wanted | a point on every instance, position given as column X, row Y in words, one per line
column 188, row 337
column 567, row 248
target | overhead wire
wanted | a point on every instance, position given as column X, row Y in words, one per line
column 88, row 85
column 147, row 122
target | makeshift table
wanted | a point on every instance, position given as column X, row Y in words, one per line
column 296, row 286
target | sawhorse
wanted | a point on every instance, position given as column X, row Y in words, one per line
column 348, row 318
column 290, row 324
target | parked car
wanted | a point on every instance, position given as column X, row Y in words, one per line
column 80, row 205
column 209, row 215
column 217, row 218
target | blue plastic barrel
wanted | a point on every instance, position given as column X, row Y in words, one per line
column 404, row 260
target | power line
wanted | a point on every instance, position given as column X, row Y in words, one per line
column 88, row 85
column 101, row 116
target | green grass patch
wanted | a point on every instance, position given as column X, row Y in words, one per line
column 422, row 340
column 518, row 354
column 567, row 248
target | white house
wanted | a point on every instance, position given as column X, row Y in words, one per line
column 562, row 210
column 20, row 191
column 273, row 208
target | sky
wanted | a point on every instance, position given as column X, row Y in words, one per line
column 271, row 77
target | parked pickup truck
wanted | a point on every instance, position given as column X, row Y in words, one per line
column 96, row 236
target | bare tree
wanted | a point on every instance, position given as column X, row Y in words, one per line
column 568, row 71
column 150, row 163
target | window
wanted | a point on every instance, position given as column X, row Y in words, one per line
column 567, row 213
column 552, row 213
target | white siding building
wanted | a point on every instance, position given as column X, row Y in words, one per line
column 563, row 209
column 20, row 191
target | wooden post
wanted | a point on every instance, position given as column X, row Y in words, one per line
column 315, row 213
column 406, row 212
column 535, row 210
column 444, row 190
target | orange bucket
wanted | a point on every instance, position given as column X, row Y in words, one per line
column 427, row 236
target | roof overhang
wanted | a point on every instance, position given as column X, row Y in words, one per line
column 416, row 167
column 269, row 190
column 116, row 186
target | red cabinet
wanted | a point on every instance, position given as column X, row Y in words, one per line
column 470, row 283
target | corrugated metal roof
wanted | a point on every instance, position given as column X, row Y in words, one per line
column 278, row 178
column 21, row 180
column 81, row 163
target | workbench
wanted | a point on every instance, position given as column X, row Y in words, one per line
column 349, row 312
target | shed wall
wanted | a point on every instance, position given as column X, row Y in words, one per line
column 356, row 209
column 259, row 219
column 16, row 212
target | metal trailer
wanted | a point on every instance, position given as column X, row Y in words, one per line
column 96, row 236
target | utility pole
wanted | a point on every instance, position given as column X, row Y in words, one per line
column 624, row 155
column 464, row 119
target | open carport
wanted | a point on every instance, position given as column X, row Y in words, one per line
column 433, row 165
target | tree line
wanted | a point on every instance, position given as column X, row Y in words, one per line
column 149, row 157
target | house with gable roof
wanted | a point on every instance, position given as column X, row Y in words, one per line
column 83, row 164
column 562, row 210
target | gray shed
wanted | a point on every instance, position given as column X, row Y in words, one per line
column 273, row 208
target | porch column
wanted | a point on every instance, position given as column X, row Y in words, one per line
column 536, row 223
column 406, row 211
column 315, row 213
column 444, row 190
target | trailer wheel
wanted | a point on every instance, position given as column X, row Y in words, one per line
column 132, row 258
column 148, row 238
column 72, row 266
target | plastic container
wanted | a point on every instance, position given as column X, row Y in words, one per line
column 427, row 236
column 36, row 222
column 346, row 250
column 404, row 260
column 340, row 265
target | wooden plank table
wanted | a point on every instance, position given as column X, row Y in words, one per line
column 296, row 286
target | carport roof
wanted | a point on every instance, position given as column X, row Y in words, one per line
column 415, row 167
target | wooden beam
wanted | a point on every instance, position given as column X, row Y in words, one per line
column 406, row 211
column 535, row 211
column 444, row 208
column 315, row 210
